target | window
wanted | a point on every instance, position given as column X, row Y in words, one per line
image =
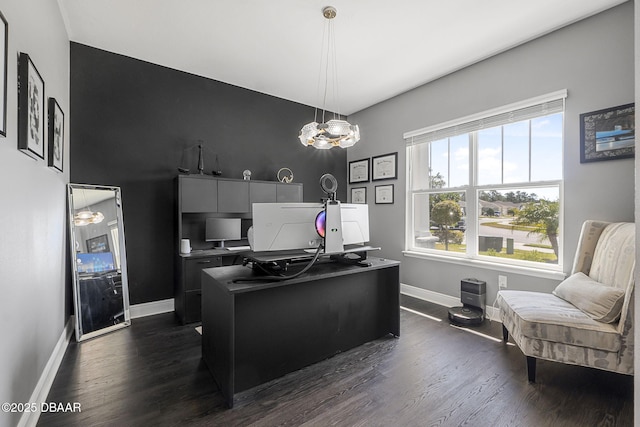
column 113, row 229
column 489, row 186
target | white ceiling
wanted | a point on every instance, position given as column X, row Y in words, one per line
column 384, row 48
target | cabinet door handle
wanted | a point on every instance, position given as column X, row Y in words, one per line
column 204, row 262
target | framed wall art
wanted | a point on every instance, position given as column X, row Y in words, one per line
column 98, row 244
column 56, row 135
column 359, row 195
column 384, row 194
column 31, row 133
column 4, row 45
column 359, row 171
column 608, row 134
column 384, row 167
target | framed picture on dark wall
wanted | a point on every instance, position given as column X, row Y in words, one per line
column 31, row 117
column 98, row 244
column 56, row 135
column 384, row 167
column 608, row 134
column 4, row 45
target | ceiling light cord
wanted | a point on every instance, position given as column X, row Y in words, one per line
column 336, row 91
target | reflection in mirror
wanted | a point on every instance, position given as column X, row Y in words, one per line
column 98, row 260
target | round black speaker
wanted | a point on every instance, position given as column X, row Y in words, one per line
column 465, row 315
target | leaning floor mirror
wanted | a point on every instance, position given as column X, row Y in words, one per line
column 98, row 260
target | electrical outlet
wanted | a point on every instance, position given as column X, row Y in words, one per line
column 502, row 282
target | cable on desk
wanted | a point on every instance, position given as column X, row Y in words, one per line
column 280, row 278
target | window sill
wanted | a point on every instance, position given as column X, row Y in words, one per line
column 508, row 268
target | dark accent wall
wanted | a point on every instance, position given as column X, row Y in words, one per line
column 132, row 124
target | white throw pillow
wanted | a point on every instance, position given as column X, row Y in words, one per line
column 600, row 302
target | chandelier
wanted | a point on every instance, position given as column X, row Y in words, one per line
column 87, row 216
column 335, row 132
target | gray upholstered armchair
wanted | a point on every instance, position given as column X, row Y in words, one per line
column 588, row 319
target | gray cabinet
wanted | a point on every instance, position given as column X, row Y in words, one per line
column 198, row 194
column 274, row 192
column 233, row 196
column 188, row 293
column 205, row 194
column 262, row 192
column 288, row 193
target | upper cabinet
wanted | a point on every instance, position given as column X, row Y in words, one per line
column 233, row 196
column 288, row 193
column 205, row 194
column 263, row 192
column 198, row 194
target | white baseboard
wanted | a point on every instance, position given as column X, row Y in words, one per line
column 151, row 308
column 441, row 299
column 41, row 391
column 427, row 295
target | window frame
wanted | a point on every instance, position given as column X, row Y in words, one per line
column 472, row 190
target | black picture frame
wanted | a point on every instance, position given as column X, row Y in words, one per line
column 607, row 134
column 359, row 171
column 359, row 195
column 384, row 194
column 384, row 167
column 98, row 244
column 4, row 32
column 31, row 106
column 56, row 136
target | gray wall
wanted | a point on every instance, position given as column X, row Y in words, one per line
column 592, row 59
column 32, row 215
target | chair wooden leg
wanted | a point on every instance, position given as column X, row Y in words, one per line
column 505, row 334
column 531, row 369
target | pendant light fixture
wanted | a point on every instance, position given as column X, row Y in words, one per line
column 335, row 132
column 86, row 216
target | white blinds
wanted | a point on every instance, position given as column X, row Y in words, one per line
column 535, row 107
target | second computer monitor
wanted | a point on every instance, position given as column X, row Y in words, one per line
column 291, row 226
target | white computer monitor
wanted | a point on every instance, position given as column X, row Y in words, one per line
column 355, row 223
column 292, row 226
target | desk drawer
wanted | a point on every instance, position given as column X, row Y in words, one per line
column 193, row 271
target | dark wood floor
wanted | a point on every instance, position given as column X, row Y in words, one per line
column 433, row 375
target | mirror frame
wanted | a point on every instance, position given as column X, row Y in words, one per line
column 80, row 336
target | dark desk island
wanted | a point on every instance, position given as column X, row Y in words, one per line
column 253, row 332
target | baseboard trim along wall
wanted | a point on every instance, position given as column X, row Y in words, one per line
column 151, row 308
column 442, row 299
column 40, row 393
